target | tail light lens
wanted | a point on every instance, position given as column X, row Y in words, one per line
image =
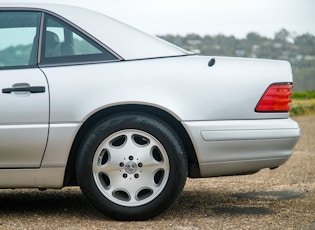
column 276, row 98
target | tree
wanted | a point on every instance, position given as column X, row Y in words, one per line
column 282, row 36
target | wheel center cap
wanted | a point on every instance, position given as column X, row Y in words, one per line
column 131, row 167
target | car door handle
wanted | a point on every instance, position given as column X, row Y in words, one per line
column 31, row 89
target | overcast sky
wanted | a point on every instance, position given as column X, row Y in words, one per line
column 228, row 17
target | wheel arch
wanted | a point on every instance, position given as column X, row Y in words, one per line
column 193, row 165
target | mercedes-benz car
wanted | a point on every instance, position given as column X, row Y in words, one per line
column 87, row 100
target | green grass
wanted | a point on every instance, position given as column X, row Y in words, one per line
column 304, row 95
column 302, row 107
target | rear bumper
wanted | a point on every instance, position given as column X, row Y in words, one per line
column 242, row 146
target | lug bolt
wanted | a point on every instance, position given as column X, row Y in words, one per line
column 131, row 158
column 121, row 164
column 125, row 175
column 140, row 165
column 136, row 175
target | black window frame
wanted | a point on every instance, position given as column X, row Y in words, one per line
column 37, row 33
column 73, row 59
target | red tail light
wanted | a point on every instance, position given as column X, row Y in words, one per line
column 276, row 98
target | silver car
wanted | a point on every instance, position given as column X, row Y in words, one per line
column 87, row 100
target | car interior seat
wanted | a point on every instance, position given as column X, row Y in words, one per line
column 52, row 45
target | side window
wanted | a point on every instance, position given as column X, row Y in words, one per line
column 65, row 44
column 19, row 38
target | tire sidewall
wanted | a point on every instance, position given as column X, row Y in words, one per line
column 164, row 134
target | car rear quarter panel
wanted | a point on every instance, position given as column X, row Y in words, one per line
column 185, row 87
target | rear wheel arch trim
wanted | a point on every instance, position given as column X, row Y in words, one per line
column 193, row 164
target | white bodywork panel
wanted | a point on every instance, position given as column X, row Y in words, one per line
column 184, row 86
column 240, row 146
column 137, row 82
column 22, row 114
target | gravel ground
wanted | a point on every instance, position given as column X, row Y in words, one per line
column 283, row 198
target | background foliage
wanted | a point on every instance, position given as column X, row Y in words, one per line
column 298, row 49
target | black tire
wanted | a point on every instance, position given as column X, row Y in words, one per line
column 131, row 166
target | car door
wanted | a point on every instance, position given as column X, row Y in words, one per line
column 24, row 96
